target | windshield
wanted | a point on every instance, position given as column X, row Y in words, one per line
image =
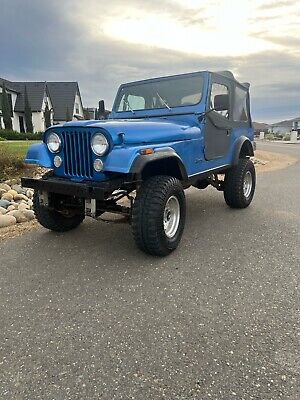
column 165, row 93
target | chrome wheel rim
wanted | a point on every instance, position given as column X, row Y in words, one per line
column 171, row 217
column 248, row 182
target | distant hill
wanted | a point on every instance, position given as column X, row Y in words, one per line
column 260, row 126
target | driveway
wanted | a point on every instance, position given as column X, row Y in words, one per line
column 85, row 315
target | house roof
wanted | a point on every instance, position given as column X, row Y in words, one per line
column 62, row 96
column 9, row 85
column 36, row 93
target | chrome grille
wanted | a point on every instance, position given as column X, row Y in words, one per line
column 77, row 154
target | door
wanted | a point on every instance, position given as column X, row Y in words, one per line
column 218, row 125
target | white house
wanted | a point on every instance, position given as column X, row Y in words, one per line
column 66, row 99
column 286, row 126
column 61, row 98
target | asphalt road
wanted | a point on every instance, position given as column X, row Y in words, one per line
column 85, row 315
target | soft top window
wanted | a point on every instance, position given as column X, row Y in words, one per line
column 164, row 93
column 240, row 109
column 219, row 89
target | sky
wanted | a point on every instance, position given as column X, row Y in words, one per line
column 102, row 44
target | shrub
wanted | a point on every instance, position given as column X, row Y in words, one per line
column 2, row 139
column 13, row 135
column 269, row 136
column 279, row 136
column 287, row 137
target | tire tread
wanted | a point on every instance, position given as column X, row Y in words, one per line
column 53, row 220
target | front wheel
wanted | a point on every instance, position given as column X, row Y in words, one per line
column 52, row 219
column 239, row 184
column 158, row 215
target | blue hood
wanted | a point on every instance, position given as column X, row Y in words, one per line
column 141, row 131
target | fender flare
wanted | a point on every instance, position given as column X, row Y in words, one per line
column 39, row 154
column 141, row 161
column 240, row 142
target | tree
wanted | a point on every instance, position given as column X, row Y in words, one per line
column 68, row 115
column 86, row 114
column 28, row 114
column 6, row 109
column 47, row 115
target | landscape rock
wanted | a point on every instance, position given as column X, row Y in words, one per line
column 23, row 206
column 18, row 189
column 19, row 216
column 21, row 197
column 11, row 182
column 11, row 208
column 7, row 196
column 7, row 220
column 12, row 192
column 4, row 203
column 5, row 187
column 16, row 203
column 29, row 214
column 2, row 191
column 29, row 193
column 3, row 210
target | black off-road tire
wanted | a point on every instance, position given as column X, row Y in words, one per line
column 148, row 215
column 234, row 184
column 53, row 220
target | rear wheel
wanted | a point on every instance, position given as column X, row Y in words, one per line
column 158, row 215
column 52, row 219
column 239, row 184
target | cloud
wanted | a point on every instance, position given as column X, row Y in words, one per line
column 276, row 4
column 65, row 41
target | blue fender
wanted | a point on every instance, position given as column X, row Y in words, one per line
column 38, row 154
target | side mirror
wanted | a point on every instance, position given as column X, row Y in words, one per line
column 221, row 102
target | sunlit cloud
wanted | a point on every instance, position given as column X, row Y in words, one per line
column 163, row 32
column 207, row 28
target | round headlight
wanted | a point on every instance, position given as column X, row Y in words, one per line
column 99, row 144
column 53, row 142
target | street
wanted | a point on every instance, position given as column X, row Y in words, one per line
column 86, row 315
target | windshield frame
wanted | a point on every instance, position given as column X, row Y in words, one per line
column 160, row 111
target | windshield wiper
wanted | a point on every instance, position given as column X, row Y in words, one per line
column 128, row 105
column 163, row 101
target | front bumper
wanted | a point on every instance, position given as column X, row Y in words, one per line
column 86, row 189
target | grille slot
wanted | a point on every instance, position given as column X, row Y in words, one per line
column 77, row 154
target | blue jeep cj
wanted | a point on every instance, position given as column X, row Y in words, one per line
column 162, row 136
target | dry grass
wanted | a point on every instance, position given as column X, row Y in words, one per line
column 11, row 158
column 272, row 161
column 11, row 165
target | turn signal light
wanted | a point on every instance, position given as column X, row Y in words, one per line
column 145, row 152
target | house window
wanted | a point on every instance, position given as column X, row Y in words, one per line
column 76, row 108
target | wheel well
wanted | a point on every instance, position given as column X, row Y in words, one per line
column 246, row 150
column 167, row 166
